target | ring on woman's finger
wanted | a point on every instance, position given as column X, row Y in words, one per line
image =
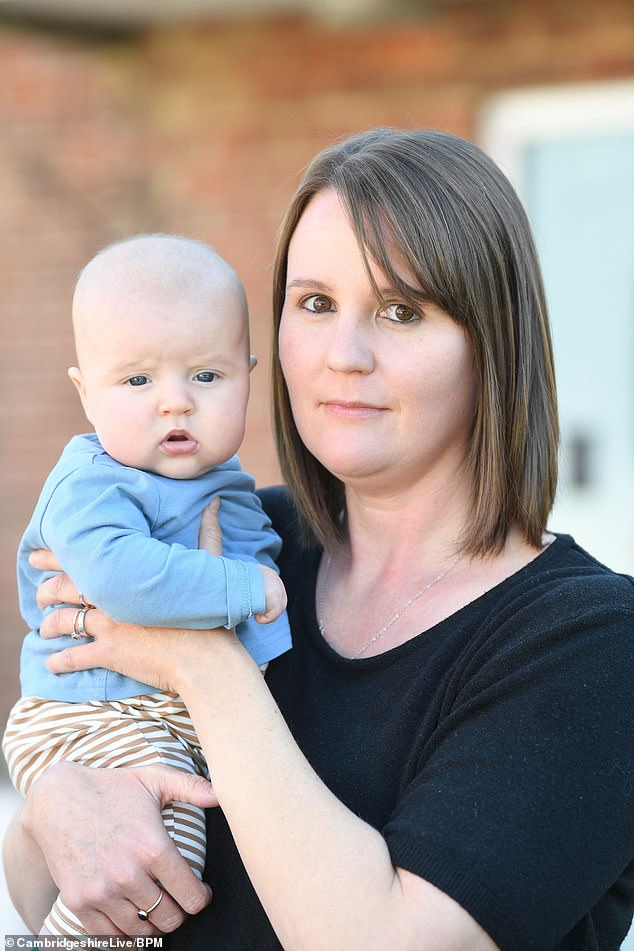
column 79, row 629
column 144, row 915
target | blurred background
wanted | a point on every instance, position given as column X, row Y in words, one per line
column 197, row 116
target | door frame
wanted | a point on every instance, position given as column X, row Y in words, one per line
column 512, row 120
column 510, row 123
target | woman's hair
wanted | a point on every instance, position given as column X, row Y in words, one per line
column 462, row 232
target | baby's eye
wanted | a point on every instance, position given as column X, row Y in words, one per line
column 205, row 376
column 318, row 303
column 139, row 380
column 400, row 313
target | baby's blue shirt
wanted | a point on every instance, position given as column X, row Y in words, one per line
column 128, row 539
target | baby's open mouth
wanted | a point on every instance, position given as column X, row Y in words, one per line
column 179, row 442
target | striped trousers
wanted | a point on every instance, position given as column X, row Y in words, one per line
column 138, row 731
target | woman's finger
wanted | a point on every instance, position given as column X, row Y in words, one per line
column 173, row 785
column 94, row 922
column 61, row 621
column 210, row 533
column 167, row 916
column 83, row 657
column 58, row 589
column 137, row 652
column 44, row 559
column 70, row 659
column 190, row 894
column 187, row 894
column 100, row 913
column 121, row 915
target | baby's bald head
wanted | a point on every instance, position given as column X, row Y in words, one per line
column 159, row 268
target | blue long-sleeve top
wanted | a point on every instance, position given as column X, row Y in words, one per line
column 128, row 539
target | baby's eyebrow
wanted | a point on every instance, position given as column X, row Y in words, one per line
column 126, row 366
column 205, row 361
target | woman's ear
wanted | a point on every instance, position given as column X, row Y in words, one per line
column 75, row 375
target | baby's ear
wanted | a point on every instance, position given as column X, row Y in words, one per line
column 253, row 362
column 75, row 375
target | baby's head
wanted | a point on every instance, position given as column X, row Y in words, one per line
column 162, row 339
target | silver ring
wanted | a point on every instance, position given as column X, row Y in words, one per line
column 144, row 915
column 79, row 629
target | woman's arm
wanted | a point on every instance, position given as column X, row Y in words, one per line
column 31, row 887
column 324, row 876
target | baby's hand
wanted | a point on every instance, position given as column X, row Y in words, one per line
column 275, row 594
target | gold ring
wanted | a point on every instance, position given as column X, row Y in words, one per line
column 79, row 629
column 143, row 915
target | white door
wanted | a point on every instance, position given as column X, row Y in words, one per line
column 572, row 159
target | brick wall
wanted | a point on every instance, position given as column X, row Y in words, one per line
column 203, row 130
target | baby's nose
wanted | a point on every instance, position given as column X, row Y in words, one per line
column 175, row 401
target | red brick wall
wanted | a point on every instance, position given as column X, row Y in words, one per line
column 204, row 130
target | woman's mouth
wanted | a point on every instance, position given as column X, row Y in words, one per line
column 178, row 442
column 351, row 409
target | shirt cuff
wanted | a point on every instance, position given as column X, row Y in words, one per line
column 245, row 590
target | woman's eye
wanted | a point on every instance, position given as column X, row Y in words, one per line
column 400, row 313
column 205, row 376
column 139, row 380
column 317, row 303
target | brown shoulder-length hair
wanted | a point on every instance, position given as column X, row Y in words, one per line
column 462, row 232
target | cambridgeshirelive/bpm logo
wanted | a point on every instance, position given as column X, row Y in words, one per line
column 30, row 942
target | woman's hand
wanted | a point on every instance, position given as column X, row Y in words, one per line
column 106, row 846
column 149, row 654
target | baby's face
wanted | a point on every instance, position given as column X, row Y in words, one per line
column 165, row 378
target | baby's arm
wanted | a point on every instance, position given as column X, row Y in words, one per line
column 100, row 530
column 247, row 535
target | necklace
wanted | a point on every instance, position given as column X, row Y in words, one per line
column 418, row 594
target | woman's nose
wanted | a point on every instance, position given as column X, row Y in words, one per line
column 175, row 400
column 349, row 347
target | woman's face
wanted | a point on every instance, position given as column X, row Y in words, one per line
column 382, row 394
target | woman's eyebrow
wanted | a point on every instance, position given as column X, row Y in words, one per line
column 308, row 283
column 385, row 292
column 405, row 291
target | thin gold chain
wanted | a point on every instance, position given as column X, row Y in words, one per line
column 418, row 594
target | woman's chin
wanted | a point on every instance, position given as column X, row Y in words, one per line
column 352, row 468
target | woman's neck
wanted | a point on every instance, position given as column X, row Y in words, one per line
column 419, row 524
column 400, row 569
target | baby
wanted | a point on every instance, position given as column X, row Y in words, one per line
column 162, row 338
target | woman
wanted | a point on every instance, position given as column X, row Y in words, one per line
column 443, row 761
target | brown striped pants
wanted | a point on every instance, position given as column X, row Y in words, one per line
column 137, row 731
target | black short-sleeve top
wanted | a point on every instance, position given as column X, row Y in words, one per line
column 494, row 752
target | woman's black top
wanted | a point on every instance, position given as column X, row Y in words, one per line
column 494, row 752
